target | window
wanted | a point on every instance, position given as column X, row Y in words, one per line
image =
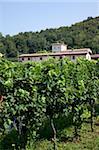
column 40, row 58
column 54, row 48
column 60, row 57
column 22, row 58
column 73, row 57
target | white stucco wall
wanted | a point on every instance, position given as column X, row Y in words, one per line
column 63, row 47
column 88, row 56
column 56, row 48
column 35, row 58
column 59, row 47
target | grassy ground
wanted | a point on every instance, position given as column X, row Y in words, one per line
column 88, row 141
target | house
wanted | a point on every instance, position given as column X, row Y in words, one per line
column 95, row 56
column 59, row 50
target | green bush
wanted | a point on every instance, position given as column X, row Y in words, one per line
column 9, row 141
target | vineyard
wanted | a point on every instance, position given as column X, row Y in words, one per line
column 39, row 100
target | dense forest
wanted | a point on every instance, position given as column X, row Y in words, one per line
column 79, row 35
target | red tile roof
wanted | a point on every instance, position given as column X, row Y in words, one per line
column 68, row 52
column 95, row 56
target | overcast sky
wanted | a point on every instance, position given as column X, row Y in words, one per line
column 22, row 15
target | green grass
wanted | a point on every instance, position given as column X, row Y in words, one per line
column 88, row 141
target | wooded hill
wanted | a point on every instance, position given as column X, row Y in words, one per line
column 80, row 35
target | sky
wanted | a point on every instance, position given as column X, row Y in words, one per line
column 35, row 15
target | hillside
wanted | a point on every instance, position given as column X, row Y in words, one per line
column 82, row 34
